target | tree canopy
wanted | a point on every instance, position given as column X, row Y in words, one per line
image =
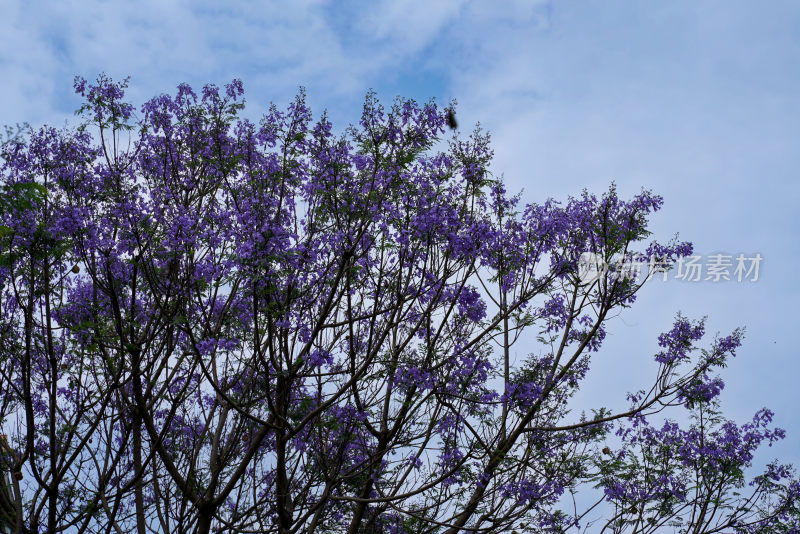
column 211, row 324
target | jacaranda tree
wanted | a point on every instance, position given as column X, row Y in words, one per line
column 210, row 324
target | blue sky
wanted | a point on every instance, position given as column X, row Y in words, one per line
column 699, row 101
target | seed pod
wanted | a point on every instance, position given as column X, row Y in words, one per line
column 606, row 450
column 451, row 119
column 76, row 269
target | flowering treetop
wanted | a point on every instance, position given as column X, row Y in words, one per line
column 210, row 323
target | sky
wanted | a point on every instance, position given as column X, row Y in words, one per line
column 698, row 101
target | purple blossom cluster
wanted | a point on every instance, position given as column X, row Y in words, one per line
column 666, row 470
column 677, row 343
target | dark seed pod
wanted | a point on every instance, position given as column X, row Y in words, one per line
column 606, row 450
column 451, row 119
column 76, row 269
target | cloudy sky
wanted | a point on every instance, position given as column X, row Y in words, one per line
column 698, row 101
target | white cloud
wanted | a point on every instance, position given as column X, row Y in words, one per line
column 410, row 25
